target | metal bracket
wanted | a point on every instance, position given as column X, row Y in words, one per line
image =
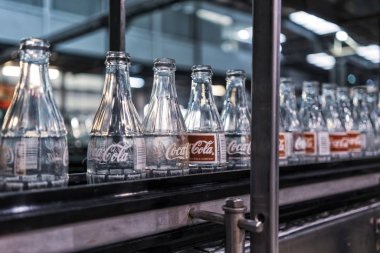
column 234, row 222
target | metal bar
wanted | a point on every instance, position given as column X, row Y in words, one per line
column 265, row 71
column 116, row 25
column 207, row 216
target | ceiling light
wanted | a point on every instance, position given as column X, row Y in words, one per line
column 313, row 23
column 341, row 36
column 282, row 38
column 321, row 60
column 137, row 82
column 214, row 17
column 218, row 90
column 244, row 34
column 370, row 53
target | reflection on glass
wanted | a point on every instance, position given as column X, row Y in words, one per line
column 33, row 144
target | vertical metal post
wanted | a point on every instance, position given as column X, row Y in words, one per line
column 234, row 212
column 116, row 25
column 265, row 77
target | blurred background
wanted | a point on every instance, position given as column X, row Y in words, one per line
column 327, row 40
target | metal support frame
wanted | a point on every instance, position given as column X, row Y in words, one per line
column 234, row 222
column 265, row 77
column 116, row 25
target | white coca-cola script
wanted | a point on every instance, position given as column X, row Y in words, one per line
column 202, row 147
column 177, row 152
column 239, row 148
column 113, row 153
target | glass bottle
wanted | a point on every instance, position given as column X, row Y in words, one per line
column 164, row 127
column 339, row 146
column 236, row 120
column 33, row 145
column 355, row 144
column 116, row 149
column 362, row 119
column 206, row 136
column 314, row 126
column 372, row 101
column 290, row 127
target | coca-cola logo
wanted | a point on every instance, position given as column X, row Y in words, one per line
column 354, row 141
column 235, row 148
column 299, row 143
column 175, row 151
column 203, row 147
column 115, row 153
column 281, row 146
column 55, row 153
column 310, row 146
column 339, row 142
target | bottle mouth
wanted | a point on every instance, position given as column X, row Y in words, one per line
column 235, row 72
column 165, row 63
column 117, row 57
column 34, row 43
column 202, row 69
column 329, row 86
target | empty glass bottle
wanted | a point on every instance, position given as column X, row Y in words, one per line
column 372, row 101
column 314, row 126
column 355, row 144
column 339, row 147
column 206, row 136
column 362, row 118
column 236, row 120
column 33, row 144
column 164, row 127
column 116, row 150
column 290, row 128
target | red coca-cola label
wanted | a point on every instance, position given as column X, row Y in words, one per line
column 299, row 144
column 339, row 142
column 311, row 143
column 354, row 141
column 203, row 148
column 281, row 146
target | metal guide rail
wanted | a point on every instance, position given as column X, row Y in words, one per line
column 80, row 216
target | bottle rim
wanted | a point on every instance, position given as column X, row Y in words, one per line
column 331, row 86
column 202, row 68
column 164, row 62
column 34, row 43
column 361, row 88
column 235, row 72
column 286, row 80
column 119, row 56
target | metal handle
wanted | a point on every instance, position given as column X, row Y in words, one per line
column 234, row 221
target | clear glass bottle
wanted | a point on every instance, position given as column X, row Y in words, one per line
column 164, row 127
column 314, row 126
column 33, row 145
column 206, row 136
column 372, row 101
column 339, row 147
column 292, row 134
column 355, row 144
column 116, row 149
column 236, row 120
column 362, row 119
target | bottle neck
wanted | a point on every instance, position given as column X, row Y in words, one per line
column 201, row 83
column 34, row 75
column 236, row 91
column 117, row 81
column 163, row 84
